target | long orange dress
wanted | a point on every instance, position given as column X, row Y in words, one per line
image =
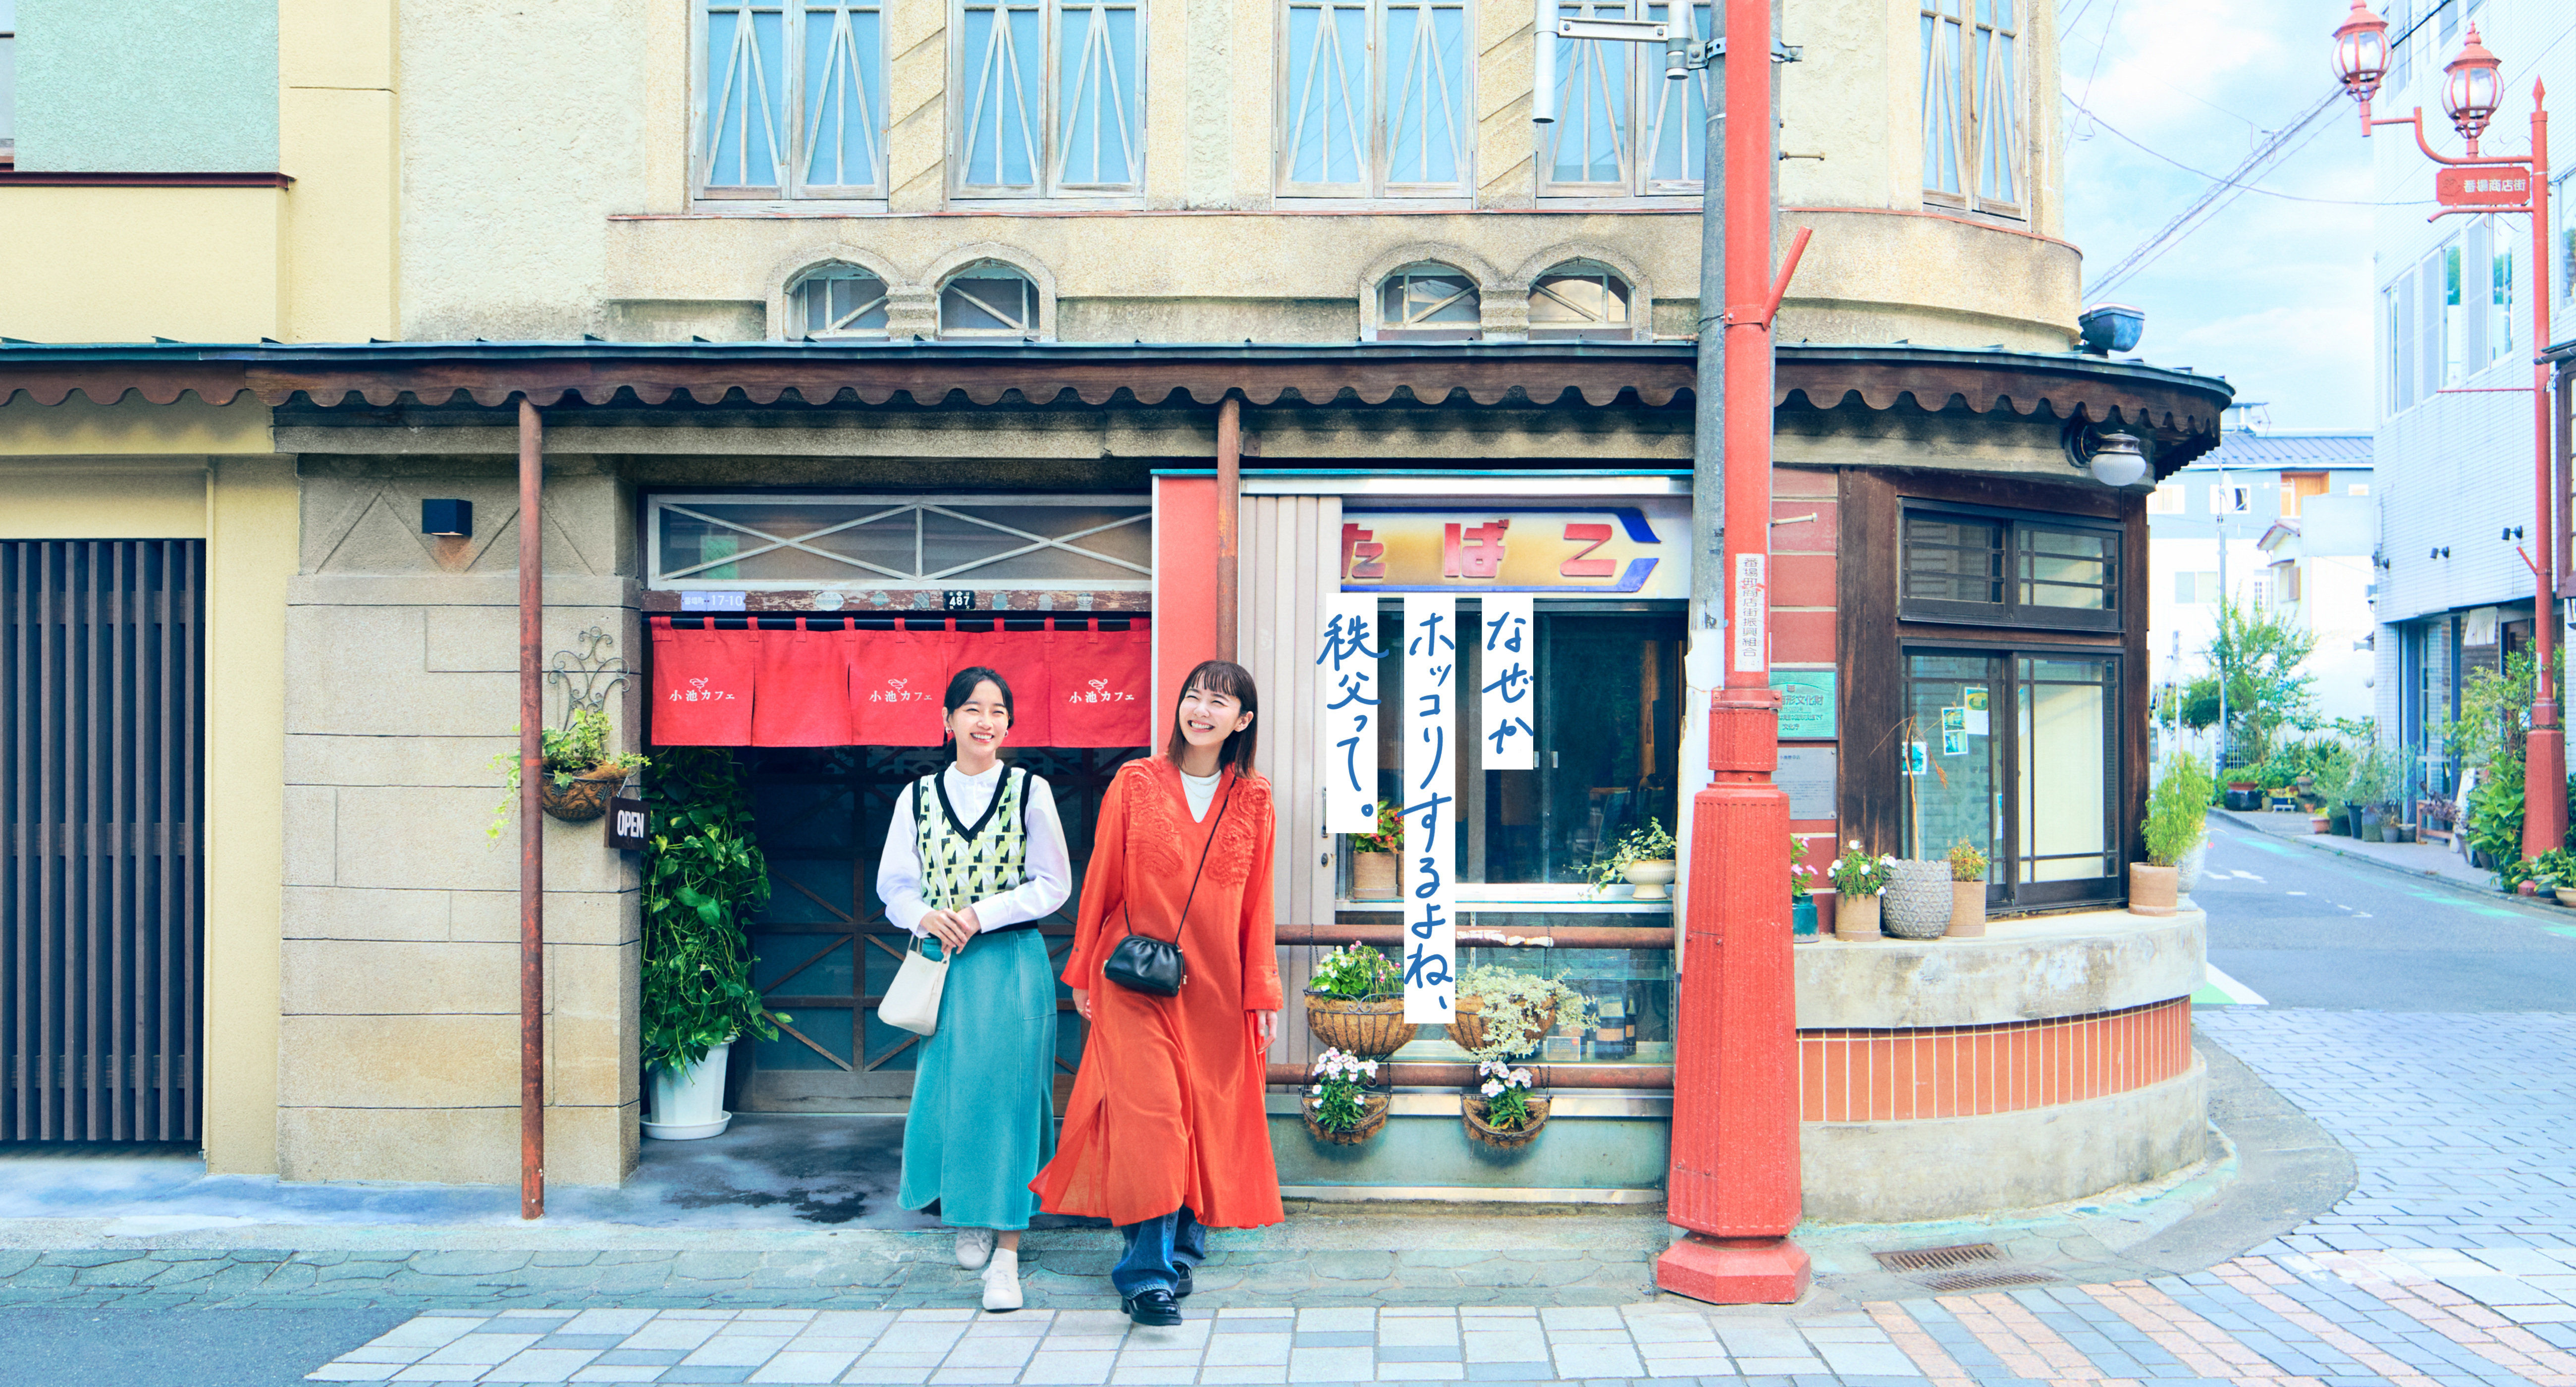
column 1167, row 1110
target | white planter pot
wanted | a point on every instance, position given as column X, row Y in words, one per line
column 689, row 1103
column 1651, row 879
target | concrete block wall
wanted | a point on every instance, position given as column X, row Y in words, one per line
column 399, row 1037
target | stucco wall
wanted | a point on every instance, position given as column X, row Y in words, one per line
column 398, row 1056
column 161, row 86
column 109, row 263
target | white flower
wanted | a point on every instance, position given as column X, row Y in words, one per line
column 1855, row 845
column 1887, row 859
column 1834, row 866
column 1521, row 1077
column 1371, row 1067
column 1492, row 1088
column 1319, row 1088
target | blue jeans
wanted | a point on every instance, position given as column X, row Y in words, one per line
column 1157, row 1249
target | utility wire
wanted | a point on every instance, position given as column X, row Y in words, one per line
column 2215, row 197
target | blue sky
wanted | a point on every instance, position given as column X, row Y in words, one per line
column 2272, row 293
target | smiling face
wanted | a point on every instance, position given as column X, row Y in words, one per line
column 978, row 726
column 1209, row 716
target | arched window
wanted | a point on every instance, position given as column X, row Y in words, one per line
column 988, row 300
column 1579, row 301
column 1429, row 302
column 837, row 301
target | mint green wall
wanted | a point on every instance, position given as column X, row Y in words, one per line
column 147, row 86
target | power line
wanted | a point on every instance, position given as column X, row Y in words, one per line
column 2133, row 142
column 2215, row 197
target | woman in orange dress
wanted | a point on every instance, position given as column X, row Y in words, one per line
column 1165, row 1134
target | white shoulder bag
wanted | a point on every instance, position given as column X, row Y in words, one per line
column 912, row 999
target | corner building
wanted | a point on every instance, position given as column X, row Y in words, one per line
column 855, row 328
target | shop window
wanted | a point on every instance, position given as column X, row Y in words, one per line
column 837, row 301
column 785, row 542
column 989, row 300
column 2019, row 755
column 1622, row 128
column 791, row 99
column 1579, row 301
column 1429, row 303
column 1374, row 99
column 1972, row 144
column 2008, row 569
column 1049, row 97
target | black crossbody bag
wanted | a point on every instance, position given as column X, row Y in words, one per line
column 1156, row 967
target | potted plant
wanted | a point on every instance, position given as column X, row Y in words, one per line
column 1504, row 1013
column 1501, row 1113
column 1339, row 1108
column 1373, row 856
column 1802, row 899
column 1643, row 859
column 581, row 774
column 703, row 878
column 1355, row 1002
column 1858, row 879
column 2177, row 814
column 1967, row 891
column 1918, row 899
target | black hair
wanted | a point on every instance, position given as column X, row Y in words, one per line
column 961, row 687
column 1235, row 682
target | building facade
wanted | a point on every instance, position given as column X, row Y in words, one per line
column 858, row 328
column 2453, row 447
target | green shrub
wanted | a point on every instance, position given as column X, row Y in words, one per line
column 704, row 879
column 2177, row 810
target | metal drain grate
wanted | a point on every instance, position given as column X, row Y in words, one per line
column 1915, row 1259
column 1985, row 1280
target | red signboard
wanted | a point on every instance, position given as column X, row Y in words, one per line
column 2487, row 187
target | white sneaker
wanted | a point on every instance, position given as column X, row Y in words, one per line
column 1002, row 1280
column 974, row 1246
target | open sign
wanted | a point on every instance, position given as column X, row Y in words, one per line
column 627, row 822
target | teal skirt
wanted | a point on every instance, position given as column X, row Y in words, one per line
column 983, row 1113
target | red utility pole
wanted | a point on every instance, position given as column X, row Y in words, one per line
column 532, row 824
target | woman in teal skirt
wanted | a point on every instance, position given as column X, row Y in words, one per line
column 974, row 859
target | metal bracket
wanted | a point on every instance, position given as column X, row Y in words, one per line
column 1707, row 51
column 580, row 672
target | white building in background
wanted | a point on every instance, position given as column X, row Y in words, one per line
column 2453, row 448
column 2295, row 514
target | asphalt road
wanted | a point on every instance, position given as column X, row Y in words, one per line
column 2308, row 929
column 178, row 1348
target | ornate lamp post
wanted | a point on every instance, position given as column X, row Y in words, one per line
column 2473, row 184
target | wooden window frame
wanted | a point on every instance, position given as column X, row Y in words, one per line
column 2006, row 890
column 1655, row 108
column 1958, row 90
column 1377, row 178
column 2014, row 613
column 797, row 155
column 1050, row 155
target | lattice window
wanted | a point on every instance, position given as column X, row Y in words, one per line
column 989, row 300
column 791, row 543
column 1051, row 98
column 1972, row 118
column 1374, row 99
column 791, row 99
column 837, row 301
column 1429, row 301
column 1579, row 300
column 1622, row 127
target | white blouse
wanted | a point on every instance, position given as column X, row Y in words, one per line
column 1200, row 790
column 1050, row 868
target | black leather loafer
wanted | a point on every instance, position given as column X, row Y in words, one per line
column 1152, row 1306
column 1187, row 1284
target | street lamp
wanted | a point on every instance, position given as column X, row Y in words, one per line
column 2474, row 184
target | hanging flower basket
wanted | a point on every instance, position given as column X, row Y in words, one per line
column 586, row 798
column 1468, row 1031
column 1372, row 1121
column 1373, row 1027
column 1502, row 1138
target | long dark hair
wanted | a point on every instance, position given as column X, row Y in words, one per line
column 961, row 687
column 1234, row 681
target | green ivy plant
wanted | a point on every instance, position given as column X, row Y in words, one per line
column 704, row 878
column 1356, row 973
column 1513, row 1003
column 566, row 754
column 1648, row 844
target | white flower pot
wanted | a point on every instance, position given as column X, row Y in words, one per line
column 1651, row 879
column 689, row 1103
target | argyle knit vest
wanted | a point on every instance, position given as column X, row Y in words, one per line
column 988, row 858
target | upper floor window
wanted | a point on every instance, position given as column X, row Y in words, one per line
column 2001, row 568
column 8, row 81
column 1050, row 98
column 1374, row 99
column 791, row 99
column 1579, row 301
column 1972, row 141
column 1429, row 302
column 1622, row 128
column 989, row 300
column 837, row 301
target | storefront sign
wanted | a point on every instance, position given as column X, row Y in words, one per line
column 1505, row 702
column 1751, row 637
column 2487, row 187
column 1346, row 689
column 1806, row 776
column 626, row 824
column 1430, row 781
column 1806, row 703
column 1559, row 550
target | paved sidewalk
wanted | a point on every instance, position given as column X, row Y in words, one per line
column 2414, row 859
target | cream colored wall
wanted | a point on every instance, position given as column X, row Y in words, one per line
column 338, row 120
column 78, row 428
column 399, row 980
column 102, row 264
